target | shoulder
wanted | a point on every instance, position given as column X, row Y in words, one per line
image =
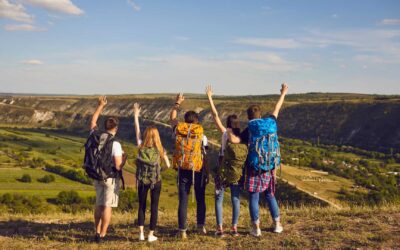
column 271, row 117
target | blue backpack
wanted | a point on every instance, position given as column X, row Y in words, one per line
column 264, row 153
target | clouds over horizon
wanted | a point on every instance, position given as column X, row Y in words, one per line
column 16, row 11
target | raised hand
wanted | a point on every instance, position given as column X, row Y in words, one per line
column 179, row 98
column 102, row 100
column 209, row 91
column 284, row 89
column 136, row 109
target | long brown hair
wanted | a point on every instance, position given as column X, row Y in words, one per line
column 151, row 139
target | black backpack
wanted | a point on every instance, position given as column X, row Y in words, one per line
column 98, row 161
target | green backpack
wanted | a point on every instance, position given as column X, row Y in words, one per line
column 231, row 168
column 148, row 166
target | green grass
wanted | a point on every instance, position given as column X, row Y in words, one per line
column 304, row 228
column 10, row 184
column 324, row 186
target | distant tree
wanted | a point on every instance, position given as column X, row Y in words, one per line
column 25, row 178
column 47, row 179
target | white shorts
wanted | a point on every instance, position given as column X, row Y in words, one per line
column 107, row 192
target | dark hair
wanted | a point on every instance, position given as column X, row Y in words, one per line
column 191, row 117
column 111, row 123
column 254, row 112
column 232, row 122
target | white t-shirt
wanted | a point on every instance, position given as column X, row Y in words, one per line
column 117, row 149
column 224, row 139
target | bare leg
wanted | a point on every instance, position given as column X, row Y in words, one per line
column 105, row 221
column 97, row 218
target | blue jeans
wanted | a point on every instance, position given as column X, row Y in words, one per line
column 254, row 206
column 235, row 198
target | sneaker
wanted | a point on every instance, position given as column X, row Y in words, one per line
column 151, row 238
column 202, row 230
column 141, row 236
column 256, row 232
column 278, row 228
column 219, row 233
column 183, row 235
column 97, row 238
column 234, row 231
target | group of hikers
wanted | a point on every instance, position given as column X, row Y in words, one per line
column 247, row 162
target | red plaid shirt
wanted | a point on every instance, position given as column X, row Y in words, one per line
column 259, row 182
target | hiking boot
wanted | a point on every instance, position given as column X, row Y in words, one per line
column 152, row 238
column 234, row 231
column 256, row 232
column 278, row 228
column 141, row 236
column 97, row 238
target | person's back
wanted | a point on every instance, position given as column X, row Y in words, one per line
column 148, row 173
column 259, row 175
column 189, row 160
column 107, row 188
column 231, row 159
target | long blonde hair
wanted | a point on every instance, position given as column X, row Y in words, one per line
column 151, row 139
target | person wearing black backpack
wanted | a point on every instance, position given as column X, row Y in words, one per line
column 104, row 160
column 148, row 173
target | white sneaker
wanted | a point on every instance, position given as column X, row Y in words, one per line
column 202, row 230
column 141, row 236
column 255, row 232
column 151, row 238
column 278, row 228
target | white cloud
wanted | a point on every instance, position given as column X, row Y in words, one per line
column 62, row 6
column 182, row 38
column 259, row 56
column 241, row 61
column 14, row 11
column 335, row 15
column 390, row 22
column 22, row 27
column 268, row 42
column 32, row 62
column 134, row 6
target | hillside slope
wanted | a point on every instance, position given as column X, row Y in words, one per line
column 363, row 121
column 305, row 228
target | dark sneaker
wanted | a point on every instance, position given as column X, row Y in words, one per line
column 97, row 238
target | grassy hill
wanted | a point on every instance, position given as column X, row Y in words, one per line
column 304, row 228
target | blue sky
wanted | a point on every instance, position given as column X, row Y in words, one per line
column 240, row 47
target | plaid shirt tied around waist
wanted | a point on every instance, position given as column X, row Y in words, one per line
column 256, row 182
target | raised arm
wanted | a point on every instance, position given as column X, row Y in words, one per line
column 166, row 160
column 136, row 113
column 99, row 109
column 278, row 105
column 174, row 112
column 214, row 111
column 232, row 137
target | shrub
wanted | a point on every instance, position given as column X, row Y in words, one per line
column 16, row 203
column 70, row 201
column 127, row 200
column 68, row 198
column 47, row 178
column 25, row 178
column 72, row 174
